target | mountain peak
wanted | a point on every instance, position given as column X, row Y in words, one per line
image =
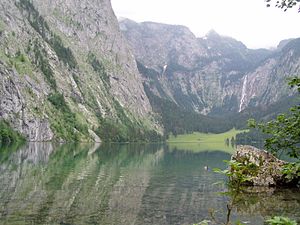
column 212, row 33
column 283, row 43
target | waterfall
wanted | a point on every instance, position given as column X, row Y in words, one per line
column 243, row 92
column 164, row 70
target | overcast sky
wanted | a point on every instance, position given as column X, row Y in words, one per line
column 249, row 21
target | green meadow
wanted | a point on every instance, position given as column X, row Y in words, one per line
column 198, row 142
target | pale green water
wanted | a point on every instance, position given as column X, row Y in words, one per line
column 124, row 184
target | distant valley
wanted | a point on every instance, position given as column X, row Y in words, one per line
column 213, row 75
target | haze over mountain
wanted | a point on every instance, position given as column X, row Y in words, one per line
column 250, row 21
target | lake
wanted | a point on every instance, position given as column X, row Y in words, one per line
column 45, row 183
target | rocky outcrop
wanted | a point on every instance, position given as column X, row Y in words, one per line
column 266, row 169
column 14, row 107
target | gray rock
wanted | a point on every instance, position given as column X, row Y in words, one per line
column 269, row 168
column 14, row 108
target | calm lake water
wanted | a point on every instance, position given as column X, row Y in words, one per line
column 44, row 183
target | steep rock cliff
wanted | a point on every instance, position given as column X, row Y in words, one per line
column 65, row 68
column 267, row 83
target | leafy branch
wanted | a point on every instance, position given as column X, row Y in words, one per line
column 283, row 4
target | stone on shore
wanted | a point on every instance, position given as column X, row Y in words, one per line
column 268, row 167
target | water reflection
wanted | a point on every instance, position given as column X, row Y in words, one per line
column 268, row 202
column 42, row 183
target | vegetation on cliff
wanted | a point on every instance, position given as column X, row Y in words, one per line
column 8, row 135
column 125, row 129
column 66, row 124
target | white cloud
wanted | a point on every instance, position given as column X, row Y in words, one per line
column 249, row 21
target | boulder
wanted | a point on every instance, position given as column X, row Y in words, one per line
column 268, row 168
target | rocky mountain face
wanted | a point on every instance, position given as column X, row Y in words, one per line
column 267, row 83
column 66, row 69
column 213, row 74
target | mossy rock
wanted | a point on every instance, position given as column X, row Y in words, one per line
column 269, row 168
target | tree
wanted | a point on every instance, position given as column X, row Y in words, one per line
column 284, row 4
column 284, row 131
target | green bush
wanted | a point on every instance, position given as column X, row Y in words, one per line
column 239, row 173
column 291, row 172
column 8, row 135
column 112, row 132
column 280, row 220
column 42, row 62
column 63, row 53
column 66, row 125
column 58, row 101
column 20, row 57
column 98, row 68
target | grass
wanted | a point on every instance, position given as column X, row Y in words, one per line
column 198, row 142
column 205, row 137
column 21, row 64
